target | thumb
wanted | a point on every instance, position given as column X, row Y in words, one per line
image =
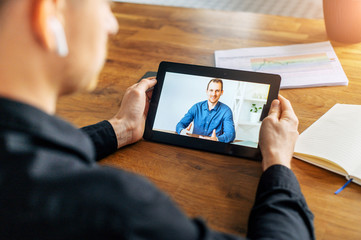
column 275, row 110
column 214, row 133
column 146, row 83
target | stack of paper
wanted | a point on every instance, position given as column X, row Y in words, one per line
column 301, row 65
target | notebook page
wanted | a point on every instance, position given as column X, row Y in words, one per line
column 336, row 136
column 356, row 174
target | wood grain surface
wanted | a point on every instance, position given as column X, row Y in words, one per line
column 219, row 188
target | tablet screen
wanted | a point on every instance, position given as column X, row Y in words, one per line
column 202, row 107
column 210, row 106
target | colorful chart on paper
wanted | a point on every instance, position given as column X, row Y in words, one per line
column 296, row 63
column 299, row 65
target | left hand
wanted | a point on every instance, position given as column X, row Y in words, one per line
column 278, row 134
column 129, row 122
column 213, row 137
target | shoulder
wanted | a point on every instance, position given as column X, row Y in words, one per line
column 200, row 105
column 224, row 107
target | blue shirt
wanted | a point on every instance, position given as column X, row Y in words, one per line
column 205, row 121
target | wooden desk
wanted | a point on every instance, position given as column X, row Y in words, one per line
column 219, row 188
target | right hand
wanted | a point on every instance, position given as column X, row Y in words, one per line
column 186, row 131
column 278, row 134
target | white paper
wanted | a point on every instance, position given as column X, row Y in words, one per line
column 336, row 136
column 300, row 65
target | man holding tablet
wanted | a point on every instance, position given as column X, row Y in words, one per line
column 211, row 119
column 51, row 186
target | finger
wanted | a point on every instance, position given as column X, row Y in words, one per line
column 275, row 110
column 149, row 93
column 287, row 110
column 146, row 108
column 148, row 78
column 189, row 127
column 214, row 133
column 146, row 84
column 151, row 88
column 205, row 137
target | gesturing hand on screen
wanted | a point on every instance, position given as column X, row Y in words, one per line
column 213, row 137
column 187, row 131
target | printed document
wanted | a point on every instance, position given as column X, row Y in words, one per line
column 300, row 65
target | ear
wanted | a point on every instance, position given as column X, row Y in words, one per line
column 43, row 12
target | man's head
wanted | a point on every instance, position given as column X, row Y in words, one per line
column 33, row 31
column 214, row 90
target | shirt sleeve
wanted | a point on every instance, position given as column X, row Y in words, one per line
column 103, row 137
column 280, row 210
column 229, row 133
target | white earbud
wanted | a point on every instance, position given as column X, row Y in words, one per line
column 59, row 34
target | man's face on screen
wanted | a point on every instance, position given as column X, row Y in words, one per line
column 214, row 92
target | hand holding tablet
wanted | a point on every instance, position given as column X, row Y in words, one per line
column 213, row 105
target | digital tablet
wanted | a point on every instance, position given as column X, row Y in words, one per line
column 212, row 109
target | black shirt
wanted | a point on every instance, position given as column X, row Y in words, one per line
column 52, row 188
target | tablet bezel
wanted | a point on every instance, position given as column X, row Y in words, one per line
column 196, row 143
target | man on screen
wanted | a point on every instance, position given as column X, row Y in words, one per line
column 212, row 119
